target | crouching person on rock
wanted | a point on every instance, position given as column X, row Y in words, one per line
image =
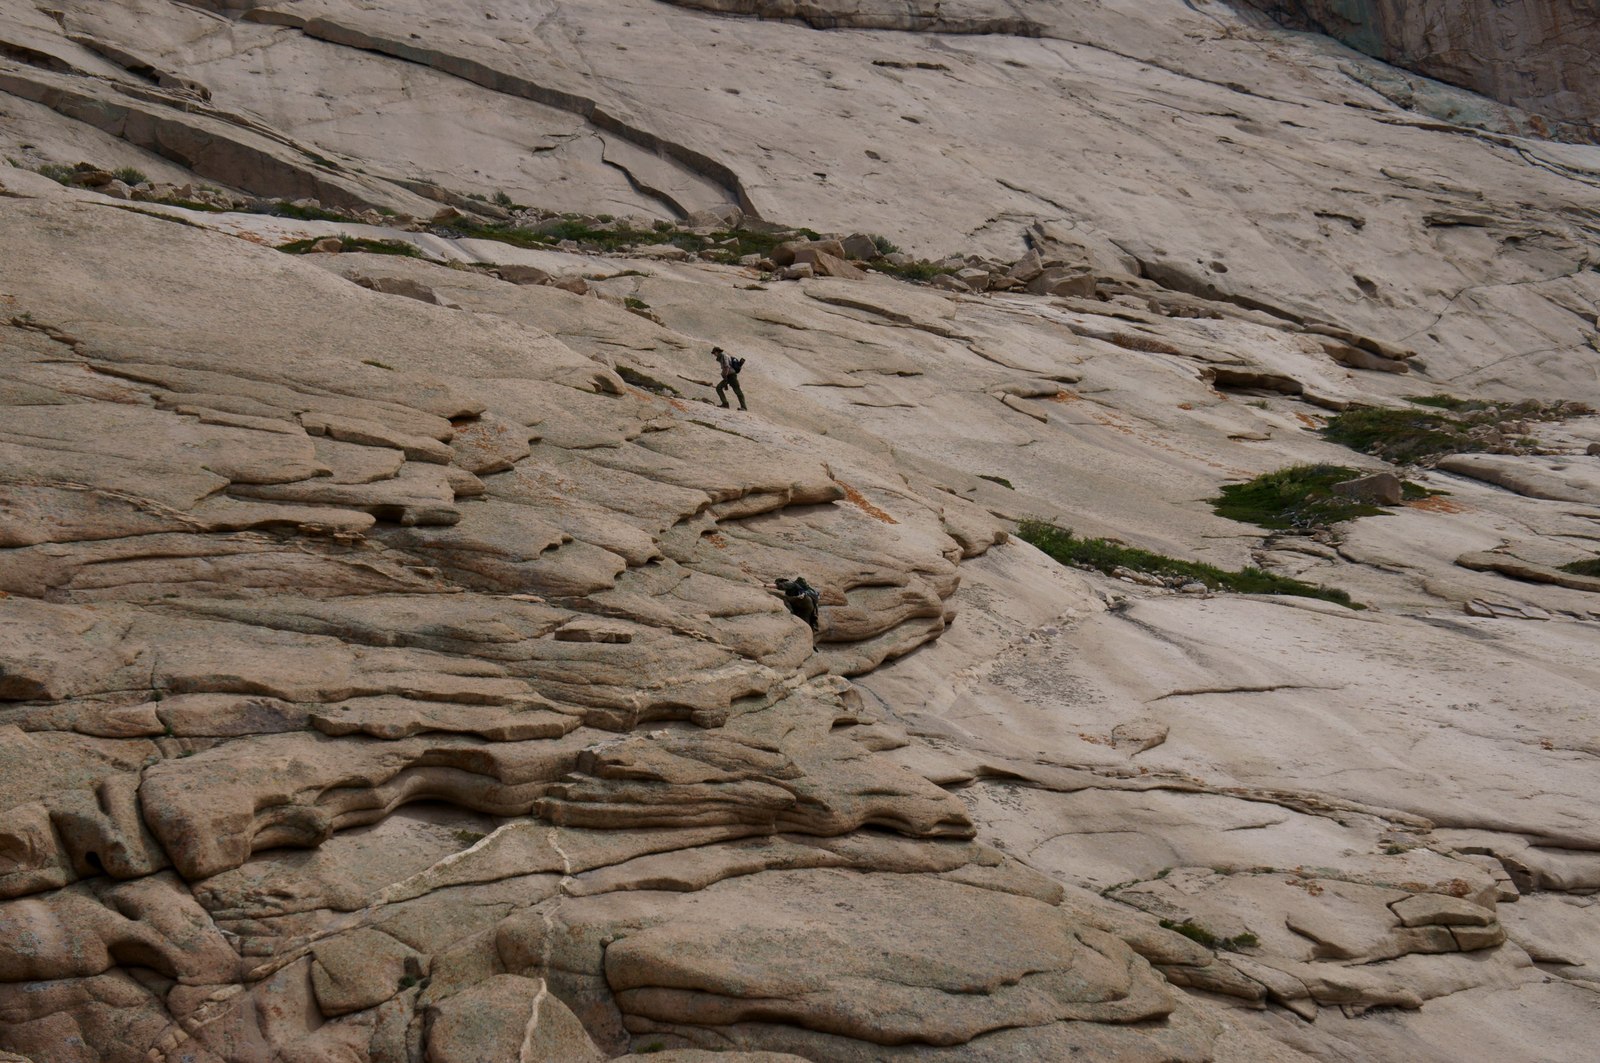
column 801, row 598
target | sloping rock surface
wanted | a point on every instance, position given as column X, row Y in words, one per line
column 390, row 662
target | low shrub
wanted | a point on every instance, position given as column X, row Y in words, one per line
column 1108, row 555
column 1197, row 933
column 357, row 243
column 1444, row 426
column 1299, row 497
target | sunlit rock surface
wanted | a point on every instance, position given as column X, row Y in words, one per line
column 389, row 662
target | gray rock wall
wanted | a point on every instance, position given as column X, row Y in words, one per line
column 1539, row 56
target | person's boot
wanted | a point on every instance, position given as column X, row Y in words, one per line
column 743, row 407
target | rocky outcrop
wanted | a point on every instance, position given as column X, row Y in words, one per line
column 1538, row 57
column 390, row 665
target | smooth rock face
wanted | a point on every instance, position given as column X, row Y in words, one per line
column 390, row 666
column 1536, row 56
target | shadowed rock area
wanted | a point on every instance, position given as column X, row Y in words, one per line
column 391, row 665
column 1538, row 57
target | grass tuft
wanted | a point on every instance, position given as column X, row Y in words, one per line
column 1300, row 497
column 1587, row 567
column 1106, row 555
column 289, row 210
column 912, row 271
column 357, row 243
column 1001, row 480
column 1197, row 933
column 1444, row 426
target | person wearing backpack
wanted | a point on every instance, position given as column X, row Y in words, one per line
column 730, row 377
column 801, row 598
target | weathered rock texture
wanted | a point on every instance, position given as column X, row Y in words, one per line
column 389, row 662
column 1538, row 56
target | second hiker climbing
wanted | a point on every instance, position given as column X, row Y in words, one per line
column 801, row 598
column 730, row 377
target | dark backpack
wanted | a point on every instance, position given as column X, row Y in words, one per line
column 735, row 364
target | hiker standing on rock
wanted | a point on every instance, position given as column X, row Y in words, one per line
column 730, row 377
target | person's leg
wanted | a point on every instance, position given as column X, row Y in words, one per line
column 722, row 392
column 737, row 390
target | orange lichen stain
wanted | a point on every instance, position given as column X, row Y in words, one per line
column 715, row 538
column 1185, row 405
column 1436, row 504
column 1066, row 396
column 1096, row 739
column 866, row 507
column 1308, row 420
column 679, row 405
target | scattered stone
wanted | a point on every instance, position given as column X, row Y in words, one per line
column 826, row 264
column 523, row 274
column 1144, row 579
column 403, row 286
column 860, row 247
column 1383, row 489
column 1026, row 268
column 1063, row 281
column 328, row 245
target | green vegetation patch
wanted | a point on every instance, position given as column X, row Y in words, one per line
column 1300, row 497
column 1197, row 933
column 129, row 175
column 1001, row 480
column 548, row 234
column 1107, row 555
column 289, row 210
column 912, row 271
column 1587, row 567
column 357, row 243
column 1445, row 425
column 728, row 245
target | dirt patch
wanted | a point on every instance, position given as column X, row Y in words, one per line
column 1437, row 504
column 861, row 503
